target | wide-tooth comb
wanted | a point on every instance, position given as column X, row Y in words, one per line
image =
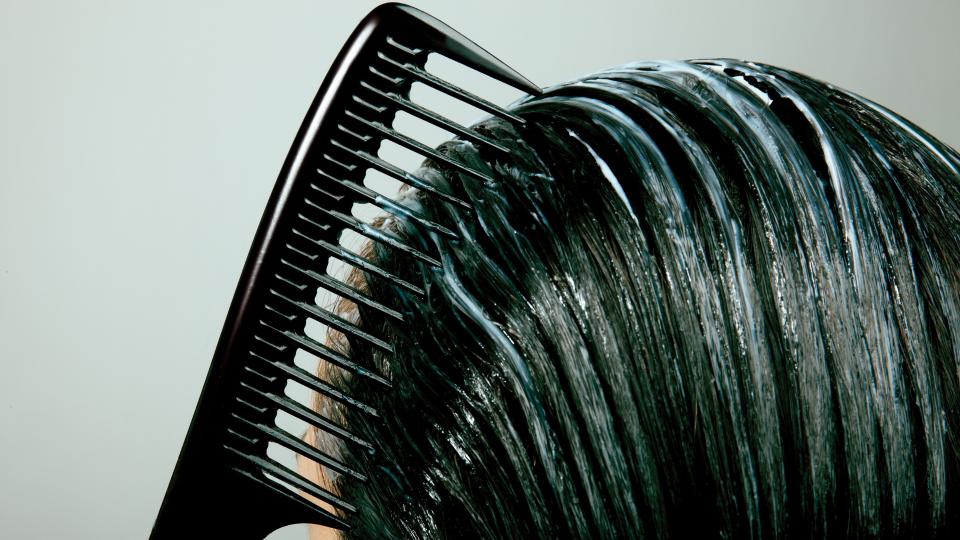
column 224, row 484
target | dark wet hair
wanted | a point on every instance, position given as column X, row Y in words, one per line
column 699, row 299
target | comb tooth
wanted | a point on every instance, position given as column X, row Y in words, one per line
column 377, row 109
column 396, row 243
column 325, row 516
column 326, row 353
column 435, row 119
column 391, row 82
column 349, row 167
column 313, row 222
column 248, row 440
column 276, row 347
column 284, row 316
column 410, row 51
column 342, row 289
column 314, row 383
column 417, row 147
column 335, row 321
column 302, row 448
column 311, row 258
column 366, row 193
column 270, row 466
column 373, row 233
column 451, row 90
column 269, row 379
column 335, row 197
column 362, row 263
column 286, row 284
column 311, row 417
column 359, row 136
column 308, row 416
column 387, row 204
column 439, row 37
column 321, row 226
column 396, row 172
column 322, row 351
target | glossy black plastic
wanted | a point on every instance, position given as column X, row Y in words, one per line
column 224, row 484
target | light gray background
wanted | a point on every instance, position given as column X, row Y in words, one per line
column 139, row 142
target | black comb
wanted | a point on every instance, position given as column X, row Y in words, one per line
column 224, row 484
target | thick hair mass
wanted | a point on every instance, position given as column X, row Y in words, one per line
column 699, row 299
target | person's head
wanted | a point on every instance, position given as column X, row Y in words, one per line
column 698, row 299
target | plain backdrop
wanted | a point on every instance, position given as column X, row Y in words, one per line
column 139, row 142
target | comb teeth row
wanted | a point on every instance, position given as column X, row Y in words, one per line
column 397, row 173
column 418, row 74
column 427, row 115
column 365, row 194
column 251, row 390
column 323, row 209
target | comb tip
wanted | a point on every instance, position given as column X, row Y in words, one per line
column 448, row 42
